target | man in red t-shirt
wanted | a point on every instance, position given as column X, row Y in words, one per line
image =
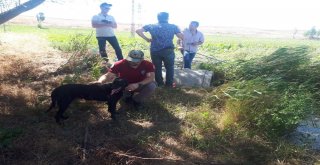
column 138, row 72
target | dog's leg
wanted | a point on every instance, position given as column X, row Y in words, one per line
column 52, row 105
column 112, row 105
column 62, row 108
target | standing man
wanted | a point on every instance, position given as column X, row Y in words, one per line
column 138, row 72
column 104, row 24
column 191, row 41
column 162, row 47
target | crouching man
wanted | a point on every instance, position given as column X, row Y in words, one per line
column 138, row 72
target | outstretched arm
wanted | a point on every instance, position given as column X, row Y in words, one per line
column 108, row 77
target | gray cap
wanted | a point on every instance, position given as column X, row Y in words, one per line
column 135, row 56
column 105, row 4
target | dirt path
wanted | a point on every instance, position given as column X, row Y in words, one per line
column 32, row 48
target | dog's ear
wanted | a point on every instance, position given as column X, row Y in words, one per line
column 118, row 82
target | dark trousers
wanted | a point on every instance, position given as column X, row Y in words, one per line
column 187, row 59
column 113, row 42
column 166, row 56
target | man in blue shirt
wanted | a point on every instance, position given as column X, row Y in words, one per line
column 162, row 47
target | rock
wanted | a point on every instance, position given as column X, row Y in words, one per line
column 307, row 133
column 191, row 78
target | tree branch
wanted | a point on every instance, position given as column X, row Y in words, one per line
column 10, row 14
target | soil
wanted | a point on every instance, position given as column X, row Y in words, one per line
column 31, row 48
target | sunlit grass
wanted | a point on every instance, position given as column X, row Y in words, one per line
column 261, row 91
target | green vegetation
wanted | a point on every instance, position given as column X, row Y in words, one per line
column 261, row 90
column 312, row 33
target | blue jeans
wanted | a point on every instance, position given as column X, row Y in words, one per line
column 167, row 57
column 113, row 42
column 187, row 59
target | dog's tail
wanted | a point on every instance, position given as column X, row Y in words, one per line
column 53, row 103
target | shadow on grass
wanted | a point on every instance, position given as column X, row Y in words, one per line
column 89, row 135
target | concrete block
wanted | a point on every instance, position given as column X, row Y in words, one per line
column 191, row 78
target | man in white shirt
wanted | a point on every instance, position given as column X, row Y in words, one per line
column 104, row 24
column 192, row 38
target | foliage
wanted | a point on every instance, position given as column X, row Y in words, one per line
column 312, row 33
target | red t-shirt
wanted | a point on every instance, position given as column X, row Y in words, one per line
column 132, row 75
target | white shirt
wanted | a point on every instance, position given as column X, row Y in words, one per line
column 189, row 38
column 103, row 31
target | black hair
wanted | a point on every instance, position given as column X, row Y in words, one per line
column 163, row 17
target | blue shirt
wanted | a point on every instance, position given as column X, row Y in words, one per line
column 162, row 35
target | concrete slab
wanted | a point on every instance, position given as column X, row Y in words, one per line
column 191, row 78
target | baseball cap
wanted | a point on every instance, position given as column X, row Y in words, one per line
column 135, row 56
column 105, row 4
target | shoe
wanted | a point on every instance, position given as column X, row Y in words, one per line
column 105, row 59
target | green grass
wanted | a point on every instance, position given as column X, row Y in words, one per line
column 261, row 91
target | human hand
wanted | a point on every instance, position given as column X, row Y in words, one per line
column 148, row 40
column 194, row 44
column 106, row 21
column 132, row 87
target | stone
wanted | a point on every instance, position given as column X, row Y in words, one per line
column 191, row 78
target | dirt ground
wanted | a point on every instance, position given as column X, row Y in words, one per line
column 32, row 48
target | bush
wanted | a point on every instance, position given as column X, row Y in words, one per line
column 312, row 33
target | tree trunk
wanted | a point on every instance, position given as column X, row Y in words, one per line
column 8, row 15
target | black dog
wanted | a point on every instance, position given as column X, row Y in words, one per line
column 65, row 94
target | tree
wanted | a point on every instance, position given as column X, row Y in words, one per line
column 8, row 15
column 312, row 33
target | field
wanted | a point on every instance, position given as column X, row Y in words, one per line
column 261, row 90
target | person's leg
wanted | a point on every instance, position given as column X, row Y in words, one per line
column 102, row 46
column 115, row 44
column 186, row 59
column 169, row 65
column 191, row 58
column 157, row 62
column 144, row 92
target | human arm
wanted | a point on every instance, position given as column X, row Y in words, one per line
column 200, row 41
column 149, row 78
column 140, row 32
column 97, row 23
column 180, row 36
column 108, row 77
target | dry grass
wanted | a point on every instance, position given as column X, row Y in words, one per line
column 30, row 136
